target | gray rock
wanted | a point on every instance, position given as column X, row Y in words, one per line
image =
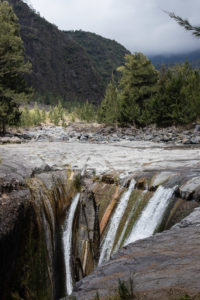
column 195, row 140
column 10, row 140
column 158, row 265
column 192, row 219
column 189, row 188
column 148, row 137
column 197, row 128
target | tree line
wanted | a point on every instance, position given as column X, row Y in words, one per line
column 141, row 96
column 144, row 96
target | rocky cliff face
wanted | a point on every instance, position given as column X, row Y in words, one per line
column 37, row 184
column 30, row 245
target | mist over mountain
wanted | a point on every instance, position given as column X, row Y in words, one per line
column 171, row 59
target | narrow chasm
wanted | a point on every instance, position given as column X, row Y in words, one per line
column 58, row 226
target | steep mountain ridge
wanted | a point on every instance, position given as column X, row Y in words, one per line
column 61, row 66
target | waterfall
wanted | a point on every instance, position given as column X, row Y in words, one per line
column 114, row 224
column 151, row 216
column 67, row 242
column 118, row 245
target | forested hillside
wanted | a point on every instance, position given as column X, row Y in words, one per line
column 106, row 55
column 62, row 67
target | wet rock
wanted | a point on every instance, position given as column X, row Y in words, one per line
column 190, row 189
column 192, row 219
column 161, row 266
column 86, row 236
column 142, row 183
column 161, row 179
column 22, row 248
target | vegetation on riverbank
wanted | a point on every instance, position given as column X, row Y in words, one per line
column 143, row 96
column 140, row 95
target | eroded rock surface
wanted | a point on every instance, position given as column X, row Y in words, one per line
column 161, row 266
column 45, row 170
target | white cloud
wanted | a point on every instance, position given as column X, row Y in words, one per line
column 138, row 25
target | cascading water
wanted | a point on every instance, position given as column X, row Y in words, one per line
column 118, row 245
column 114, row 224
column 151, row 216
column 67, row 242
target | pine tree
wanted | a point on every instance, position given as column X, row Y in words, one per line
column 138, row 84
column 186, row 24
column 109, row 108
column 12, row 68
column 178, row 98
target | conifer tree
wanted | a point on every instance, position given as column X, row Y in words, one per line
column 110, row 107
column 138, row 84
column 12, row 67
column 186, row 24
column 178, row 97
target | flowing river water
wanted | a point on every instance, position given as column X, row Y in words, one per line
column 67, row 242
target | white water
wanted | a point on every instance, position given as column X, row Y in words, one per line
column 114, row 224
column 127, row 222
column 67, row 243
column 151, row 215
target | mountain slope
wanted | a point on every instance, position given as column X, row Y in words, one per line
column 105, row 54
column 61, row 66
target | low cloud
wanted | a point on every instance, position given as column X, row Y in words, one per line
column 141, row 26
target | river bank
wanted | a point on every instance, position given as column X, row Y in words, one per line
column 96, row 133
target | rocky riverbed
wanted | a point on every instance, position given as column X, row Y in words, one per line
column 36, row 188
column 96, row 133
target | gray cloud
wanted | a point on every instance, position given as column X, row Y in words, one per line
column 138, row 25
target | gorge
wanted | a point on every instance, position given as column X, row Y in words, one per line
column 66, row 207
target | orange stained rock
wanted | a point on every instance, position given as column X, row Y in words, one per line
column 109, row 211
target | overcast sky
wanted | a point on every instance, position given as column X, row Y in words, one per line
column 139, row 25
